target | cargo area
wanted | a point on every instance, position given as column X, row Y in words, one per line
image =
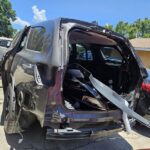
column 101, row 56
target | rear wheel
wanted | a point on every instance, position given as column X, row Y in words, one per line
column 143, row 106
column 14, row 118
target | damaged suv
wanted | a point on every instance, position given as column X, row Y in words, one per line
column 79, row 80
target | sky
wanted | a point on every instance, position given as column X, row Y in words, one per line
column 104, row 11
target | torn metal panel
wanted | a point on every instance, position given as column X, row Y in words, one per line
column 117, row 100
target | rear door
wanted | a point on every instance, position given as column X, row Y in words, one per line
column 29, row 70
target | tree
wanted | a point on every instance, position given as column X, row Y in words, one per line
column 122, row 28
column 7, row 14
column 109, row 26
column 139, row 28
column 143, row 27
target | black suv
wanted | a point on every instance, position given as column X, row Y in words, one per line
column 76, row 78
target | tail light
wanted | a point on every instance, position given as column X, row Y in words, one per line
column 146, row 87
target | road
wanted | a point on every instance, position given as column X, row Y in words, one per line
column 34, row 139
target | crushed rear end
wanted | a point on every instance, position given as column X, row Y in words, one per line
column 94, row 93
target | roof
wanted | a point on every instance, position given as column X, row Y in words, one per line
column 141, row 44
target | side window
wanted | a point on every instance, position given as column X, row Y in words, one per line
column 83, row 53
column 110, row 53
column 38, row 39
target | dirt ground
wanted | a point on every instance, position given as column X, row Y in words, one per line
column 34, row 139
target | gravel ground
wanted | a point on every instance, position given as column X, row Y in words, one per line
column 34, row 139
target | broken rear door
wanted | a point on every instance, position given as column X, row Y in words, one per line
column 30, row 71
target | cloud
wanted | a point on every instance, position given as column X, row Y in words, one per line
column 39, row 15
column 20, row 22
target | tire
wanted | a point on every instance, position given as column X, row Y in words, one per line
column 143, row 104
column 26, row 118
column 141, row 107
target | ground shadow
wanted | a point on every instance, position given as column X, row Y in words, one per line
column 141, row 129
column 34, row 139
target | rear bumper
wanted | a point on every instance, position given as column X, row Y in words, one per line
column 64, row 134
column 61, row 115
column 64, row 124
